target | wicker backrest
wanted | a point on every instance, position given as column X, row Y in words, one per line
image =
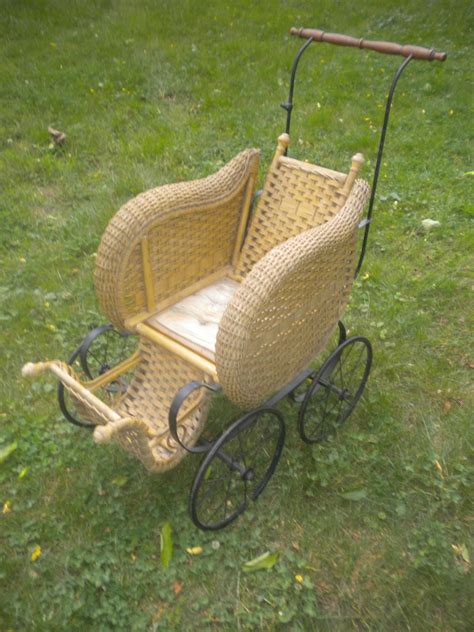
column 168, row 238
column 284, row 311
column 296, row 196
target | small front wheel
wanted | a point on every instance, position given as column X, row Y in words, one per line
column 69, row 406
column 101, row 349
column 335, row 390
column 237, row 468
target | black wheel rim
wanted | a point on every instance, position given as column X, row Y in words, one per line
column 100, row 350
column 335, row 390
column 66, row 402
column 237, row 468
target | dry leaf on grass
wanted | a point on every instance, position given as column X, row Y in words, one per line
column 58, row 137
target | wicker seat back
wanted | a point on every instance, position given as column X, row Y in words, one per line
column 297, row 196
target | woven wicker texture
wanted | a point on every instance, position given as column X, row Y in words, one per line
column 296, row 196
column 139, row 420
column 191, row 229
column 157, row 378
column 287, row 306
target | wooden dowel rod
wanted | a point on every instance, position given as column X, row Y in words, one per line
column 389, row 48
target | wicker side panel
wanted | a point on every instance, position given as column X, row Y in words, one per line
column 157, row 378
column 191, row 229
column 285, row 310
column 295, row 198
column 189, row 247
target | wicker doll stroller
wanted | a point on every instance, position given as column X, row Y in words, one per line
column 220, row 297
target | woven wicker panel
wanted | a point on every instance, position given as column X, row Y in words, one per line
column 287, row 306
column 139, row 419
column 188, row 248
column 157, row 378
column 296, row 196
column 191, row 229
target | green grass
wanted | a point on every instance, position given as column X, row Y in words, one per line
column 155, row 92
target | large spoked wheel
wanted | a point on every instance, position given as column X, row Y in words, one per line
column 335, row 390
column 102, row 349
column 298, row 395
column 237, row 468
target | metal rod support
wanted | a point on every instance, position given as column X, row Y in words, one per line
column 232, row 463
column 288, row 106
column 388, row 106
column 340, row 392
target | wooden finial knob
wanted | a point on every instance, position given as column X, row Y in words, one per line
column 103, row 434
column 356, row 166
column 283, row 142
column 31, row 369
column 357, row 161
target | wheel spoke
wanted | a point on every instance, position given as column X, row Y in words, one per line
column 227, row 492
column 321, row 412
column 253, row 445
column 209, row 494
column 93, row 356
column 258, row 446
column 213, row 482
column 254, row 462
column 345, row 359
column 333, row 407
column 339, row 412
column 242, row 452
column 339, row 367
column 328, row 394
column 220, row 504
column 106, row 351
column 358, row 363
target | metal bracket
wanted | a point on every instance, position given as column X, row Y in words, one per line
column 176, row 404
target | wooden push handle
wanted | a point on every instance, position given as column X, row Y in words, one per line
column 390, row 48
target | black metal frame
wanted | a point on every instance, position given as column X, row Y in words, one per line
column 211, row 448
column 288, row 106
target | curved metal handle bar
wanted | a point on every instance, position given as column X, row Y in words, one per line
column 388, row 106
column 389, row 48
column 288, row 105
column 176, row 404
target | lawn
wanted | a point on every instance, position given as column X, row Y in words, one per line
column 372, row 528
